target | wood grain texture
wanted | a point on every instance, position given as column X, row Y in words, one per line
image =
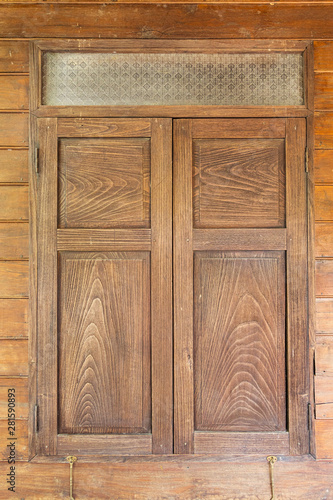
column 124, row 445
column 93, row 127
column 14, row 357
column 14, row 279
column 21, row 396
column 323, row 130
column 14, row 129
column 104, row 335
column 324, row 438
column 161, row 286
column 297, row 287
column 295, row 21
column 14, row 92
column 13, row 165
column 324, row 240
column 324, row 278
column 183, row 288
column 46, row 286
column 323, row 389
column 323, row 55
column 21, row 444
column 239, row 342
column 323, row 97
column 104, row 183
column 323, row 164
column 14, row 241
column 324, row 203
column 176, row 477
column 234, row 129
column 14, row 56
column 324, row 315
column 324, row 411
column 237, row 443
column 324, row 358
column 238, row 183
column 14, row 203
column 13, row 317
column 239, row 239
column 104, row 239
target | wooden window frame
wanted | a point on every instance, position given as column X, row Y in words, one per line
column 37, row 110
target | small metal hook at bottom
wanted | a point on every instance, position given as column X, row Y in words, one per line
column 71, row 461
column 271, row 460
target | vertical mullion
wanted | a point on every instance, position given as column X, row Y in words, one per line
column 47, row 286
column 298, row 383
column 161, row 285
column 183, row 288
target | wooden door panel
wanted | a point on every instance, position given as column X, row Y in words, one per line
column 105, row 286
column 104, row 343
column 238, row 183
column 239, row 292
column 104, row 183
column 239, row 354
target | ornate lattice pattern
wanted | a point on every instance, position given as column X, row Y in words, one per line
column 77, row 78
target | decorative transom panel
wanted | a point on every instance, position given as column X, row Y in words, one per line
column 80, row 78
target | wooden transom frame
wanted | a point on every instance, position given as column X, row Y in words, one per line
column 168, row 46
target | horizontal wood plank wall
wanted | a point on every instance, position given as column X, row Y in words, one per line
column 323, row 163
column 14, row 241
column 191, row 479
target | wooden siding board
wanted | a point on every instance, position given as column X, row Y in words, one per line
column 13, row 317
column 323, row 55
column 14, row 279
column 324, row 438
column 324, row 315
column 14, row 92
column 14, row 203
column 21, row 396
column 324, row 359
column 323, row 166
column 292, row 21
column 14, row 129
column 13, row 165
column 14, row 357
column 323, row 130
column 21, row 443
column 14, row 56
column 14, row 241
column 324, row 278
column 324, row 411
column 323, row 91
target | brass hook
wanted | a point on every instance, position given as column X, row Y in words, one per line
column 271, row 460
column 71, row 461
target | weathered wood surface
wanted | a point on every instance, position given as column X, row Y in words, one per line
column 323, row 91
column 21, row 396
column 295, row 21
column 175, row 478
column 14, row 357
column 13, row 165
column 14, row 56
column 14, row 203
column 14, row 241
column 323, row 55
column 21, row 443
column 323, row 130
column 324, row 389
column 14, row 92
column 14, row 129
column 324, row 240
column 13, row 317
column 324, row 411
column 323, row 166
column 324, row 278
column 324, row 438
column 324, row 358
column 324, row 315
column 14, row 279
column 324, row 202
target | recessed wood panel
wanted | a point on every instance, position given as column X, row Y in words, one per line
column 14, row 203
column 14, row 241
column 14, row 165
column 14, row 92
column 324, row 277
column 14, row 129
column 104, row 183
column 324, row 315
column 239, row 341
column 239, row 183
column 324, row 203
column 323, row 166
column 104, row 343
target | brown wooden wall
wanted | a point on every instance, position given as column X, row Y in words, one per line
column 191, row 478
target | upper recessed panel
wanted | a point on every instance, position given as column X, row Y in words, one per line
column 94, row 79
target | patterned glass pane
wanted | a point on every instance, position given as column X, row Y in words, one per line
column 78, row 78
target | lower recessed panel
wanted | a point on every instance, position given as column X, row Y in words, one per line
column 239, row 341
column 104, row 343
